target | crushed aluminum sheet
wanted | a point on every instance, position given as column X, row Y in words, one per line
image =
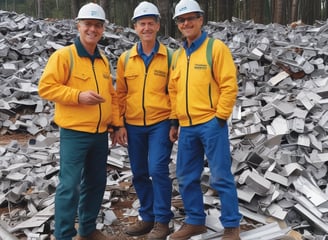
column 278, row 128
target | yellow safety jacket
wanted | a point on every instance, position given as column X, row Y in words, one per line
column 196, row 96
column 65, row 76
column 142, row 92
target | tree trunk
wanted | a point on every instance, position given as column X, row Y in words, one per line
column 256, row 8
column 246, row 10
column 294, row 10
column 125, row 21
column 74, row 8
column 317, row 11
column 104, row 4
column 164, row 9
column 230, row 5
column 40, row 9
column 223, row 10
column 310, row 11
column 278, row 11
column 204, row 6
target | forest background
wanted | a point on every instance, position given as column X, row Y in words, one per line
column 120, row 11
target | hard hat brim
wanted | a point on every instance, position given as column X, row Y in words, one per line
column 177, row 15
column 144, row 16
column 89, row 18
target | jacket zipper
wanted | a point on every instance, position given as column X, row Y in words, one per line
column 99, row 105
column 143, row 96
column 187, row 80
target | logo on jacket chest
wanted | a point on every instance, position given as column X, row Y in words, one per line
column 200, row 66
column 159, row 73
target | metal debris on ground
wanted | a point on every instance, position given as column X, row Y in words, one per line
column 279, row 126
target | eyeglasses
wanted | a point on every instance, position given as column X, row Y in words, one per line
column 181, row 20
column 97, row 25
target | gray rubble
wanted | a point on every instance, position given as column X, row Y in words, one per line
column 279, row 128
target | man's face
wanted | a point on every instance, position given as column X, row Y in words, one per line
column 190, row 25
column 147, row 28
column 90, row 30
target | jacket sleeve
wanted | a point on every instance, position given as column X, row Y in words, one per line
column 172, row 86
column 115, row 108
column 121, row 88
column 52, row 84
column 226, row 76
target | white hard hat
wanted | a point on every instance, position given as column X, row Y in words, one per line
column 145, row 9
column 186, row 6
column 91, row 11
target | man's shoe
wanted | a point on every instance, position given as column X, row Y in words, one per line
column 187, row 231
column 139, row 228
column 231, row 234
column 97, row 235
column 159, row 232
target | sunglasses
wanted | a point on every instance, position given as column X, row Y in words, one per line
column 181, row 20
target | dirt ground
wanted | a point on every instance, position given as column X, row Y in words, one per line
column 22, row 138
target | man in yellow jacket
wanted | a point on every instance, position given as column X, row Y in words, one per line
column 142, row 78
column 202, row 97
column 77, row 78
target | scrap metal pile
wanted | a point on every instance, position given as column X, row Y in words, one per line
column 279, row 126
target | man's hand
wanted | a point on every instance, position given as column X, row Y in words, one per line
column 221, row 121
column 121, row 137
column 90, row 98
column 174, row 134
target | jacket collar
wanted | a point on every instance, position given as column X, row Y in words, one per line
column 195, row 44
column 83, row 53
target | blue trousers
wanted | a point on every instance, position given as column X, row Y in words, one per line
column 149, row 152
column 82, row 181
column 212, row 139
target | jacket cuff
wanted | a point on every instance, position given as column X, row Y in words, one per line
column 116, row 128
column 174, row 123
